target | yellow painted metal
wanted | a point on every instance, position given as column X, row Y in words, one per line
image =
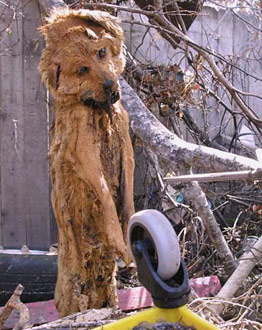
column 152, row 315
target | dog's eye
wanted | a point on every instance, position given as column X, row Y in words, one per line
column 83, row 69
column 102, row 53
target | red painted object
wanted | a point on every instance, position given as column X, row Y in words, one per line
column 129, row 299
column 134, row 298
column 207, row 286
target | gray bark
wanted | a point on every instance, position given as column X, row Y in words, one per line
column 240, row 274
column 194, row 193
column 176, row 153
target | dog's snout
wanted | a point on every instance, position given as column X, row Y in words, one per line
column 108, row 85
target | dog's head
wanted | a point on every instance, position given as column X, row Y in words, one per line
column 83, row 57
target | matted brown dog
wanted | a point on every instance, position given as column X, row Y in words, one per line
column 91, row 154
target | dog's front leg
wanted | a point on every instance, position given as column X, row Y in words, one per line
column 87, row 166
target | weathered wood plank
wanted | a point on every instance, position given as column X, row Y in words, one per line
column 13, row 216
column 24, row 136
column 36, row 132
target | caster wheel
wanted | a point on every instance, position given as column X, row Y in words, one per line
column 154, row 228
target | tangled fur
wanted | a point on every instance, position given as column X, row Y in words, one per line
column 91, row 154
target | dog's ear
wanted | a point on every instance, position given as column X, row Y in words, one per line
column 50, row 71
column 54, row 80
column 48, row 74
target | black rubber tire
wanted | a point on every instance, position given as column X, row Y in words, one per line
column 37, row 273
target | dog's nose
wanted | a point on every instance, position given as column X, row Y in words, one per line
column 108, row 85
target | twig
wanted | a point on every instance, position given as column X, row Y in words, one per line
column 163, row 21
column 15, row 303
column 253, row 302
column 47, row 5
column 246, row 21
column 180, row 19
column 213, row 177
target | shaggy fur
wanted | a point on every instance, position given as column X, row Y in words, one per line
column 91, row 154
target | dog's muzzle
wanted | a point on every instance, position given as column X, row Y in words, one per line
column 106, row 105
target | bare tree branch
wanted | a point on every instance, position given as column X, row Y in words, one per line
column 175, row 152
column 47, row 5
column 15, row 303
column 164, row 22
column 214, row 177
column 194, row 193
column 180, row 19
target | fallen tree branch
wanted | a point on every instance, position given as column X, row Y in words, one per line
column 70, row 325
column 240, row 275
column 9, row 306
column 175, row 152
column 15, row 303
column 86, row 319
column 213, row 177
